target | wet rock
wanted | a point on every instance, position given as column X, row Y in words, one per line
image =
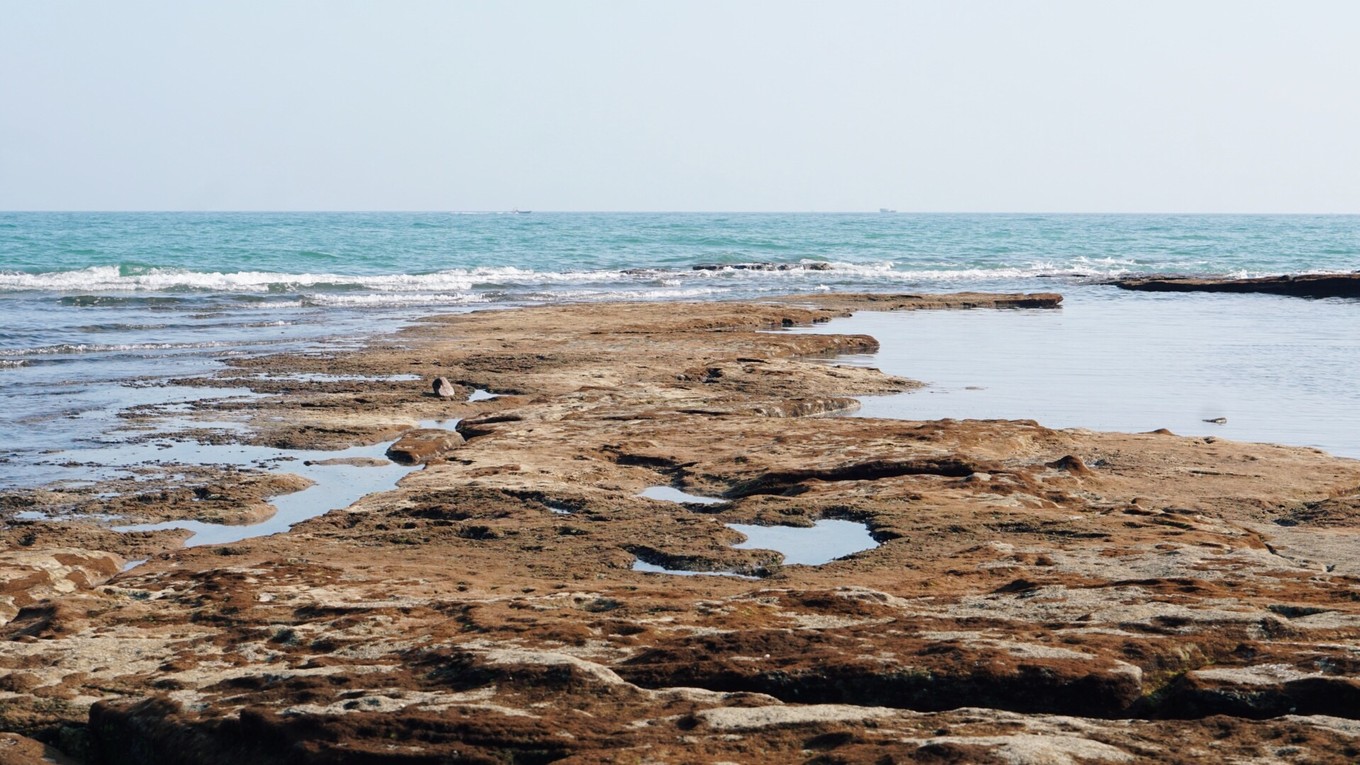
column 1262, row 691
column 782, row 481
column 1304, row 285
column 912, row 302
column 807, row 407
column 422, row 445
column 484, row 424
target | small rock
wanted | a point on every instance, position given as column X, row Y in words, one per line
column 1072, row 464
column 443, row 388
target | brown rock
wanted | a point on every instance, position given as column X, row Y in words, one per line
column 21, row 750
column 31, row 576
column 423, row 445
column 1071, row 464
column 445, row 389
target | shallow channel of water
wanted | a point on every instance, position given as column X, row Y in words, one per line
column 340, row 477
column 336, row 485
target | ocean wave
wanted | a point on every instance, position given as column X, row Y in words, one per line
column 70, row 349
column 392, row 300
column 111, row 300
column 98, row 279
column 439, row 285
column 604, row 295
column 198, row 326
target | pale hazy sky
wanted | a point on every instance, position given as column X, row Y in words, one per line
column 1003, row 105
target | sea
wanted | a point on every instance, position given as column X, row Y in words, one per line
column 99, row 310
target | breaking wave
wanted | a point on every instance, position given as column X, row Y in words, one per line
column 459, row 282
column 66, row 349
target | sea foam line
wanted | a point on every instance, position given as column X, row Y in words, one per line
column 111, row 279
column 12, row 357
column 448, row 284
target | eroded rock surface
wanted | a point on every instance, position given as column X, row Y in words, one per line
column 1038, row 596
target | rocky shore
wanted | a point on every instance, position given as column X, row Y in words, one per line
column 1036, row 595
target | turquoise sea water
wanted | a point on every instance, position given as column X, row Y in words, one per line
column 92, row 301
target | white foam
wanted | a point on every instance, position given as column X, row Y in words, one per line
column 111, row 279
column 7, row 357
column 392, row 300
column 625, row 294
column 454, row 285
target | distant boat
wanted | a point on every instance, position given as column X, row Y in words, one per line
column 518, row 211
column 885, row 210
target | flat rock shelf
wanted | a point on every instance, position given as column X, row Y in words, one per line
column 1035, row 595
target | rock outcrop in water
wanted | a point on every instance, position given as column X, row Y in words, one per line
column 1304, row 285
column 1038, row 595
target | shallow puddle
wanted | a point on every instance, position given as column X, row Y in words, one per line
column 449, row 423
column 824, row 541
column 481, row 394
column 670, row 494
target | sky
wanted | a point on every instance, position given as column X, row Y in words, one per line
column 948, row 106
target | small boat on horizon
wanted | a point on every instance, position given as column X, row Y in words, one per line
column 517, row 211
